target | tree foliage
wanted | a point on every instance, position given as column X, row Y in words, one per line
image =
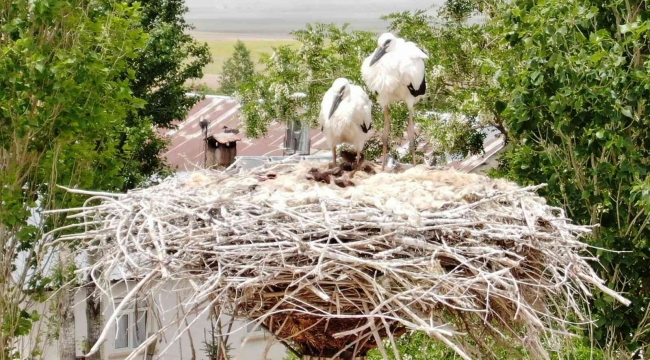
column 69, row 116
column 159, row 75
column 63, row 101
column 420, row 346
column 237, row 70
column 578, row 121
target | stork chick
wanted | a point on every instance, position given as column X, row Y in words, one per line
column 395, row 72
column 345, row 116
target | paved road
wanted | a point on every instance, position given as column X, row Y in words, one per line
column 279, row 17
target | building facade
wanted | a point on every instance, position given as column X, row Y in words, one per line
column 155, row 311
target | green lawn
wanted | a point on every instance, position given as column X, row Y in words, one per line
column 222, row 49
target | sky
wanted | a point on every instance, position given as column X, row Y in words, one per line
column 279, row 17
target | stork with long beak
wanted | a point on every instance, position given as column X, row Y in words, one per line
column 396, row 72
column 345, row 116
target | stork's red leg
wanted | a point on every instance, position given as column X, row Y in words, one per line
column 411, row 135
column 386, row 137
column 334, row 154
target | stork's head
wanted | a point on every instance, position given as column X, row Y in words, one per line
column 342, row 86
column 386, row 40
column 341, row 89
column 386, row 43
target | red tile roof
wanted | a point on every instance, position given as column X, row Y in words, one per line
column 186, row 149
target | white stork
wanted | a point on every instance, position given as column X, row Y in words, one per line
column 345, row 116
column 395, row 72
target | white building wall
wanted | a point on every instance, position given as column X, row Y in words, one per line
column 251, row 349
column 38, row 344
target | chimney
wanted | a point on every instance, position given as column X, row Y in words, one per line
column 221, row 150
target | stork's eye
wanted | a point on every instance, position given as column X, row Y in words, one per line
column 388, row 41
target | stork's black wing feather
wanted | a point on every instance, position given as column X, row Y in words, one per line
column 365, row 128
column 421, row 91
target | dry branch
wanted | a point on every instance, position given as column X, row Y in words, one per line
column 331, row 270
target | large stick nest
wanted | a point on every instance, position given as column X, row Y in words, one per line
column 335, row 271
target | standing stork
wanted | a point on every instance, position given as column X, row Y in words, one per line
column 345, row 116
column 395, row 72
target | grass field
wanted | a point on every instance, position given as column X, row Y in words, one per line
column 222, row 49
column 222, row 46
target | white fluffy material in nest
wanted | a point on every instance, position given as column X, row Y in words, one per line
column 459, row 256
column 405, row 194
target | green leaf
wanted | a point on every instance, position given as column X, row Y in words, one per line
column 627, row 112
column 500, row 106
column 597, row 56
column 625, row 28
column 534, row 75
column 592, row 12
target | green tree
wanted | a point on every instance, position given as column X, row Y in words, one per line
column 160, row 72
column 64, row 98
column 578, row 121
column 237, row 70
column 420, row 346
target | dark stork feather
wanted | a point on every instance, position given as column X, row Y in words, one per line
column 421, row 90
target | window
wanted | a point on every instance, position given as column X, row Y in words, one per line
column 131, row 328
column 122, row 335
